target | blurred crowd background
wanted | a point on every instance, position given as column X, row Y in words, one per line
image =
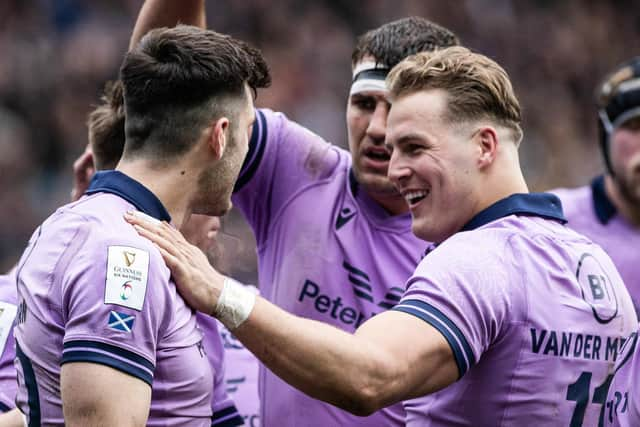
column 57, row 54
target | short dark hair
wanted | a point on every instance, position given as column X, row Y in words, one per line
column 177, row 80
column 392, row 42
column 106, row 127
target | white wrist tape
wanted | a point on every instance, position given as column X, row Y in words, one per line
column 234, row 304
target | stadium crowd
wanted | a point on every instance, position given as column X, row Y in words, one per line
column 58, row 54
column 322, row 217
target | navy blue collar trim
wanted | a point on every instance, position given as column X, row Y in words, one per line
column 605, row 210
column 544, row 205
column 353, row 183
column 131, row 190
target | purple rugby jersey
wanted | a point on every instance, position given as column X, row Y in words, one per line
column 326, row 252
column 591, row 213
column 90, row 289
column 623, row 400
column 8, row 310
column 223, row 406
column 241, row 378
column 535, row 315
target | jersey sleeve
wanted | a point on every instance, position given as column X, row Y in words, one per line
column 461, row 289
column 8, row 311
column 8, row 375
column 283, row 158
column 114, row 305
column 225, row 413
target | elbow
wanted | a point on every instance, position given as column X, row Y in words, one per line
column 365, row 403
column 365, row 399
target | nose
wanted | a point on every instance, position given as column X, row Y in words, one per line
column 398, row 171
column 378, row 123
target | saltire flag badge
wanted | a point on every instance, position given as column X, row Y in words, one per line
column 121, row 321
column 127, row 272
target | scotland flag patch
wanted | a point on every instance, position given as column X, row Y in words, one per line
column 120, row 321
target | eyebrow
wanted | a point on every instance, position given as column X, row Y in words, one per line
column 405, row 139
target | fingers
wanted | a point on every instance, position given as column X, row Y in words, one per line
column 161, row 234
column 156, row 238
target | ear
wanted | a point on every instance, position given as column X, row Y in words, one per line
column 218, row 139
column 487, row 143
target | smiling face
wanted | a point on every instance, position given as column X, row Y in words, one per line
column 433, row 164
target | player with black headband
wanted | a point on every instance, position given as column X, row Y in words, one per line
column 608, row 210
column 318, row 212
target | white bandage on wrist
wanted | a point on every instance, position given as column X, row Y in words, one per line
column 234, row 304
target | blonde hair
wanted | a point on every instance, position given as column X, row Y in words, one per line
column 477, row 87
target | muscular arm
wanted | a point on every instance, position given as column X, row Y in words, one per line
column 97, row 395
column 392, row 357
column 167, row 13
column 13, row 418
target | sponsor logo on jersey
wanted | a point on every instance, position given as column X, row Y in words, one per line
column 597, row 289
column 344, row 216
column 126, row 291
column 127, row 274
column 335, row 307
column 129, row 258
column 121, row 321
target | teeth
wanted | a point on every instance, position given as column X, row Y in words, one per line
column 415, row 196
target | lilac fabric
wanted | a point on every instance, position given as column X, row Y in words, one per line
column 590, row 212
column 92, row 290
column 623, row 400
column 326, row 251
column 8, row 310
column 535, row 315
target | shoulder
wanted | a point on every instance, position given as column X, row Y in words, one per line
column 473, row 247
column 574, row 200
column 105, row 242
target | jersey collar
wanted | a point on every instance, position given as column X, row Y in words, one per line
column 138, row 195
column 544, row 205
column 605, row 210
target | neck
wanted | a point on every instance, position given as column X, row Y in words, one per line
column 173, row 186
column 625, row 208
column 500, row 185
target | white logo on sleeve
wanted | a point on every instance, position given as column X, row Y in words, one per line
column 7, row 314
column 127, row 271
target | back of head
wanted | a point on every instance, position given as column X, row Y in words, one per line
column 477, row 87
column 618, row 101
column 178, row 80
column 106, row 128
column 394, row 41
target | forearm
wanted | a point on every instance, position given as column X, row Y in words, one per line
column 13, row 418
column 168, row 13
column 346, row 370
